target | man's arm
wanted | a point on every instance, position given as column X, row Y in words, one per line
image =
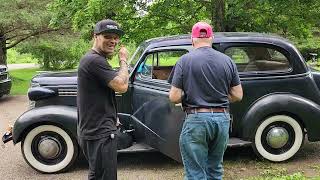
column 235, row 93
column 120, row 82
column 175, row 95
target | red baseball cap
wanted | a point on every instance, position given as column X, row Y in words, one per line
column 201, row 30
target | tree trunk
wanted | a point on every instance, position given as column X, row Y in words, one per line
column 3, row 50
column 218, row 12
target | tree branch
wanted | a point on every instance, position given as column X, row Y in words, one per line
column 36, row 33
column 13, row 29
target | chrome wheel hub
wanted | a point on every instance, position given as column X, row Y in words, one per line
column 277, row 137
column 49, row 147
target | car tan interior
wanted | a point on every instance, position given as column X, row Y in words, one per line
column 161, row 72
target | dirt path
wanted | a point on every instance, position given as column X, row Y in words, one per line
column 240, row 163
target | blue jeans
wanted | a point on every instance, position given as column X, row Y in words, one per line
column 203, row 141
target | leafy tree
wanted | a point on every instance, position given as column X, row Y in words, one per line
column 56, row 51
column 21, row 20
column 83, row 14
column 167, row 17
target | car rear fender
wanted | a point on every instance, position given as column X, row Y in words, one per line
column 62, row 116
column 303, row 110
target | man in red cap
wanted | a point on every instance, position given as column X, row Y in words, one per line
column 97, row 111
column 205, row 81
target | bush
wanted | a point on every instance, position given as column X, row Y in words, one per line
column 307, row 46
column 14, row 57
column 63, row 53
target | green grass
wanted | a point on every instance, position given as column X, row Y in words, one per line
column 21, row 80
column 274, row 173
column 295, row 176
column 14, row 57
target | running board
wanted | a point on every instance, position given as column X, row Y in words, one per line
column 137, row 147
column 236, row 142
column 141, row 147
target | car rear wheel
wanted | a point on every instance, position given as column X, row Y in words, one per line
column 49, row 149
column 278, row 138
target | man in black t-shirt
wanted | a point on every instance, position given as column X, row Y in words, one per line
column 97, row 111
column 206, row 81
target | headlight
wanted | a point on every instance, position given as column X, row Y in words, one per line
column 32, row 104
column 3, row 69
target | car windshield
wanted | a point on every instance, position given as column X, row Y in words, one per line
column 137, row 54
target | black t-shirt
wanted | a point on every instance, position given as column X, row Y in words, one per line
column 206, row 76
column 95, row 100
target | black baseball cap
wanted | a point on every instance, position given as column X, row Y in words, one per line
column 108, row 25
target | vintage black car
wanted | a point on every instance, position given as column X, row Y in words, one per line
column 280, row 104
column 5, row 81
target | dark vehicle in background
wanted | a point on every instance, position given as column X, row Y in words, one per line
column 5, row 81
column 280, row 104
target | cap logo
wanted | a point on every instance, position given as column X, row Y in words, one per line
column 111, row 27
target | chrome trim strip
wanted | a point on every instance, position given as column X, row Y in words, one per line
column 67, row 95
column 151, row 86
column 6, row 80
column 276, row 77
column 67, row 91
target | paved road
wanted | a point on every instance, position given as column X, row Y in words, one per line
column 21, row 66
column 239, row 162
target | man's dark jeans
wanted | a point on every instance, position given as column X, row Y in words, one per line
column 102, row 158
column 203, row 141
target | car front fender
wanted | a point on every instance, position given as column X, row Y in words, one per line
column 62, row 116
column 303, row 110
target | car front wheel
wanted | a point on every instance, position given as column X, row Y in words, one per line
column 49, row 149
column 278, row 138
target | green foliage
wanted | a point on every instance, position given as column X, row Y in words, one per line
column 168, row 17
column 114, row 61
column 59, row 53
column 21, row 19
column 14, row 57
column 276, row 173
column 21, row 80
column 308, row 45
column 290, row 17
column 83, row 14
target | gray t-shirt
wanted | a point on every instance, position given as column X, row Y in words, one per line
column 206, row 76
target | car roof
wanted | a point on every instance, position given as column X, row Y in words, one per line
column 219, row 37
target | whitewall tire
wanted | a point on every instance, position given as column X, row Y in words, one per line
column 278, row 138
column 49, row 149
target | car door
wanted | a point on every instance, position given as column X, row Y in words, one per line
column 160, row 121
column 263, row 69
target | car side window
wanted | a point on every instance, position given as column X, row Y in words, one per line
column 158, row 65
column 255, row 58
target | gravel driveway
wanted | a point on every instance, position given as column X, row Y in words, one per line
column 239, row 162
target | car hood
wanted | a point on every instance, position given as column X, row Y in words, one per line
column 55, row 78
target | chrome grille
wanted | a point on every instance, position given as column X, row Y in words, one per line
column 67, row 91
column 3, row 77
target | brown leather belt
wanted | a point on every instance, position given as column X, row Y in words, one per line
column 199, row 110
